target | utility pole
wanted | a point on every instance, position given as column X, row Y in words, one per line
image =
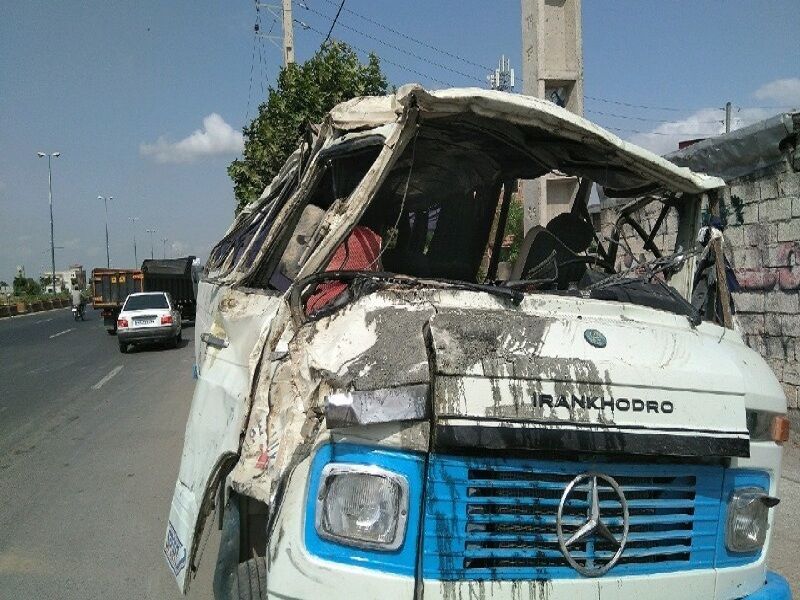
column 727, row 117
column 50, row 198
column 552, row 68
column 151, row 232
column 105, row 203
column 284, row 13
column 288, row 33
column 133, row 224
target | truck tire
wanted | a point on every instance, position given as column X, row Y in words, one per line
column 240, row 573
column 252, row 579
column 110, row 331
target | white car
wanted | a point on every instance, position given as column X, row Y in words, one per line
column 148, row 317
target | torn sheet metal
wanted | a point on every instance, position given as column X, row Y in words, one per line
column 373, row 344
column 386, row 405
column 741, row 152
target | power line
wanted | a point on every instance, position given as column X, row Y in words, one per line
column 252, row 66
column 483, row 68
column 261, row 63
column 645, row 119
column 629, row 105
column 784, row 107
column 677, row 133
column 305, row 25
column 392, row 46
column 336, row 18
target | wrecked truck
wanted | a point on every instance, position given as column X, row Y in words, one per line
column 382, row 411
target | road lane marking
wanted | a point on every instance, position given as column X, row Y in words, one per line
column 107, row 378
column 55, row 335
column 43, row 321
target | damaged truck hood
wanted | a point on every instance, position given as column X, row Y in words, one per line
column 534, row 377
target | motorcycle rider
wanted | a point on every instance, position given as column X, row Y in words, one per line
column 77, row 300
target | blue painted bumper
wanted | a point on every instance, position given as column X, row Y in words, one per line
column 776, row 588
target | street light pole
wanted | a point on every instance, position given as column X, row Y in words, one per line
column 164, row 241
column 151, row 232
column 135, row 258
column 105, row 202
column 50, row 198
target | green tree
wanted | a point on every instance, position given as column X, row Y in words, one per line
column 25, row 286
column 305, row 92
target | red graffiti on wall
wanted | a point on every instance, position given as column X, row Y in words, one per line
column 786, row 275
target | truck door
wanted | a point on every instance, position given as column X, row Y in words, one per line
column 227, row 329
column 232, row 320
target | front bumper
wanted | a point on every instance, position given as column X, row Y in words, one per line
column 299, row 570
column 775, row 588
column 147, row 334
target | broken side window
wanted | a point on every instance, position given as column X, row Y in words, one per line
column 342, row 173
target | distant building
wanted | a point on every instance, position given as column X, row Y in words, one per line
column 73, row 278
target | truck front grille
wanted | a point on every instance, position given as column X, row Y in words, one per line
column 495, row 518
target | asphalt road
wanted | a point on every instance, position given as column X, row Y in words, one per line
column 90, row 444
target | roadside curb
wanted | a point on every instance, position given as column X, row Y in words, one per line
column 10, row 311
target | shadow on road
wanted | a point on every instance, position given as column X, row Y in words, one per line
column 156, row 346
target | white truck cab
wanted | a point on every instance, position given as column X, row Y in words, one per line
column 385, row 410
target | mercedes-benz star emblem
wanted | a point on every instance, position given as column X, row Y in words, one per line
column 593, row 532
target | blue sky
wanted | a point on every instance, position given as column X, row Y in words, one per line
column 145, row 100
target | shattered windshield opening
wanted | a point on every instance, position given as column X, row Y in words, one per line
column 438, row 213
column 435, row 219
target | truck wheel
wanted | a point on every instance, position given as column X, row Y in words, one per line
column 252, row 577
column 235, row 580
column 110, row 331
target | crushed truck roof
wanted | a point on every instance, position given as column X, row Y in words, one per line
column 554, row 138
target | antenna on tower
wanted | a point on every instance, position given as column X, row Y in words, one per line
column 503, row 77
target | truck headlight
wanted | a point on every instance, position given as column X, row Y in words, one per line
column 747, row 523
column 362, row 506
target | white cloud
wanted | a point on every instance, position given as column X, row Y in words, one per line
column 785, row 92
column 214, row 139
column 708, row 122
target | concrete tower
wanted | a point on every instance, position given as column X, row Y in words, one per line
column 552, row 68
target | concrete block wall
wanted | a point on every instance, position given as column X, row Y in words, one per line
column 647, row 216
column 766, row 256
column 762, row 241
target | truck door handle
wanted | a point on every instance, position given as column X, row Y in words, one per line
column 213, row 340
